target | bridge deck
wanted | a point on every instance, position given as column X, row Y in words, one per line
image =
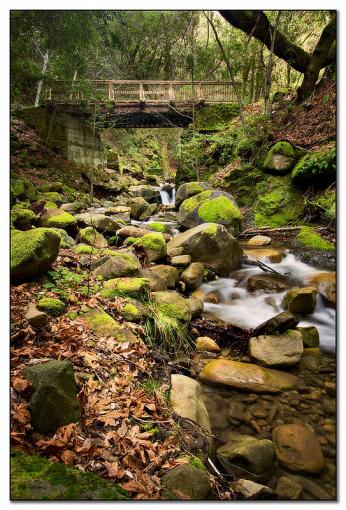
column 139, row 92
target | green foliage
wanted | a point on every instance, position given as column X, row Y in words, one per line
column 215, row 117
column 165, row 331
column 316, row 169
column 150, row 386
column 62, row 281
column 309, row 238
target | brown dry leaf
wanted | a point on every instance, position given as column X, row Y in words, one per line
column 68, row 457
column 20, row 413
column 21, row 385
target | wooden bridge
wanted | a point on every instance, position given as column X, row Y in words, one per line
column 138, row 103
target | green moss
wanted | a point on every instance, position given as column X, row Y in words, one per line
column 216, row 117
column 154, row 241
column 278, row 203
column 103, row 324
column 52, row 306
column 159, row 227
column 23, row 188
column 190, row 204
column 311, row 239
column 126, row 287
column 218, row 209
column 131, row 261
column 33, row 251
column 196, row 462
column 54, row 197
column 89, row 235
column 85, row 248
column 37, row 478
column 50, row 205
column 131, row 312
column 23, row 218
column 210, row 230
column 60, row 220
column 317, row 169
column 282, row 165
column 130, row 240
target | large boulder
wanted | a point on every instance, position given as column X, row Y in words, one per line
column 247, row 376
column 59, row 219
column 267, row 282
column 156, row 282
column 325, row 283
column 140, row 208
column 33, row 252
column 116, row 264
column 189, row 189
column 317, row 169
column 54, row 402
column 279, row 323
column 150, row 193
column 297, row 448
column 300, row 300
column 100, row 222
column 22, row 189
column 277, row 350
column 186, row 400
column 154, row 244
column 255, row 456
column 186, row 482
column 281, row 158
column 176, row 306
column 211, row 207
column 126, row 287
column 23, row 219
column 210, row 244
column 310, row 336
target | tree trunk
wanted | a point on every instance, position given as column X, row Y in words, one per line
column 268, row 80
column 40, row 83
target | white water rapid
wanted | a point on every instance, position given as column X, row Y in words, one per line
column 167, row 198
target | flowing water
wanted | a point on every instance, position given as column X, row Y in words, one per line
column 167, row 198
column 240, row 307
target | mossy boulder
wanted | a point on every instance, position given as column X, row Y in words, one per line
column 126, row 287
column 155, row 245
column 82, row 249
column 210, row 244
column 54, row 402
column 256, row 456
column 175, row 305
column 281, row 158
column 156, row 282
column 116, row 264
column 186, row 482
column 247, row 376
column 103, row 325
column 140, row 208
column 35, row 478
column 310, row 336
column 277, row 350
column 133, row 310
column 242, row 183
column 52, row 196
column 59, row 219
column 150, row 193
column 33, row 252
column 211, row 207
column 89, row 235
column 190, row 189
column 309, row 238
column 157, row 226
column 317, row 169
column 216, row 117
column 300, row 300
column 278, row 203
column 168, row 273
column 23, row 219
column 325, row 283
column 22, row 189
column 66, row 240
column 100, row 222
column 51, row 306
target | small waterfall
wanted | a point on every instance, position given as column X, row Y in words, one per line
column 167, row 197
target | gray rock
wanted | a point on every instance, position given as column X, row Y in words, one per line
column 300, row 300
column 192, row 276
column 117, row 265
column 310, row 335
column 35, row 317
column 168, row 273
column 186, row 400
column 54, row 402
column 186, row 482
column 189, row 189
column 279, row 323
column 277, row 350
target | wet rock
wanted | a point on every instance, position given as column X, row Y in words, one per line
column 186, row 400
column 259, row 240
column 132, row 231
column 186, row 482
column 297, row 448
column 192, row 276
column 238, row 411
column 150, row 193
column 266, row 254
column 196, row 306
column 206, row 344
column 251, row 490
column 279, row 323
column 181, row 260
column 255, row 456
column 35, row 317
column 168, row 273
column 300, row 300
column 277, row 350
column 100, row 222
column 310, row 335
column 268, row 282
column 325, row 283
column 210, row 244
column 286, row 488
column 140, row 208
column 54, row 402
column 247, row 376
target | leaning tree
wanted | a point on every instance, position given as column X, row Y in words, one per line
column 256, row 24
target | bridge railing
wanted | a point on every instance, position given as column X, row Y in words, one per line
column 139, row 91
